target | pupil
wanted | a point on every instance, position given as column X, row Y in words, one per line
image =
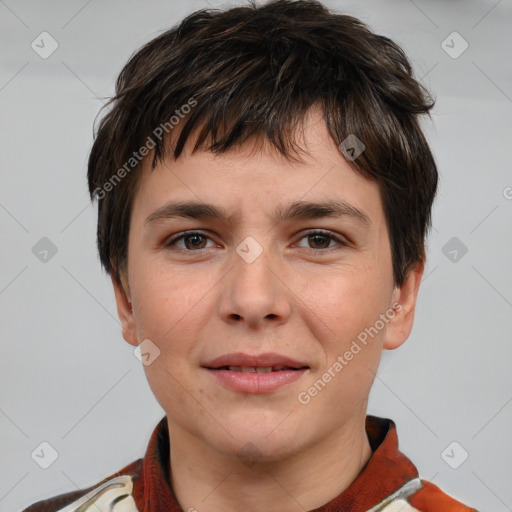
column 317, row 240
column 316, row 237
column 194, row 245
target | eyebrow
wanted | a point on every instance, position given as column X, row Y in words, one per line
column 296, row 210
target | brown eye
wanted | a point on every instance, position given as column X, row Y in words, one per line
column 192, row 241
column 321, row 240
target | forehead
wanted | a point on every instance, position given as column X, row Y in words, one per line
column 254, row 176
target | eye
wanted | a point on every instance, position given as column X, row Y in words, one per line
column 321, row 240
column 192, row 241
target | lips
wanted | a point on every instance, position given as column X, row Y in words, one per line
column 247, row 363
column 255, row 374
column 255, row 369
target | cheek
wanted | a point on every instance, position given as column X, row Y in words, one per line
column 348, row 309
column 169, row 305
column 352, row 299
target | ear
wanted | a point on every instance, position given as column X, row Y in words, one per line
column 124, row 309
column 404, row 297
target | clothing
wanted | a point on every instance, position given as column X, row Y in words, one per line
column 388, row 483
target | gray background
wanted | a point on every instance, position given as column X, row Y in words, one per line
column 66, row 375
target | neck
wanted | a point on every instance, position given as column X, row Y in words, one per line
column 209, row 481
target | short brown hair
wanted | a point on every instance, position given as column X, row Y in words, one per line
column 255, row 71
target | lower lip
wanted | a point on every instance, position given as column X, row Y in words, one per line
column 256, row 382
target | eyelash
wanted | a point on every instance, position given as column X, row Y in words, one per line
column 327, row 234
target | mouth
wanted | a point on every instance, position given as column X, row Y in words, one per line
column 258, row 369
column 252, row 363
column 255, row 374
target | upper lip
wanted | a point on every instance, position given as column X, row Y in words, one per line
column 254, row 361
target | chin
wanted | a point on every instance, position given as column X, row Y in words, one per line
column 264, row 440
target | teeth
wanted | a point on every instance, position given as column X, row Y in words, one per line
column 268, row 369
column 243, row 369
column 259, row 369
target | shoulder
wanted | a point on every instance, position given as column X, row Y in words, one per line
column 424, row 497
column 105, row 495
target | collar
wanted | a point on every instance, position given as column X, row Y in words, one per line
column 386, row 471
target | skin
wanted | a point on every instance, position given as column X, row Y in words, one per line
column 303, row 297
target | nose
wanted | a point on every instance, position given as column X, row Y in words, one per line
column 254, row 292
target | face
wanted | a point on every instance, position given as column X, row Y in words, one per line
column 277, row 286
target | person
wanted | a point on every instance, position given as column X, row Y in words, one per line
column 264, row 193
